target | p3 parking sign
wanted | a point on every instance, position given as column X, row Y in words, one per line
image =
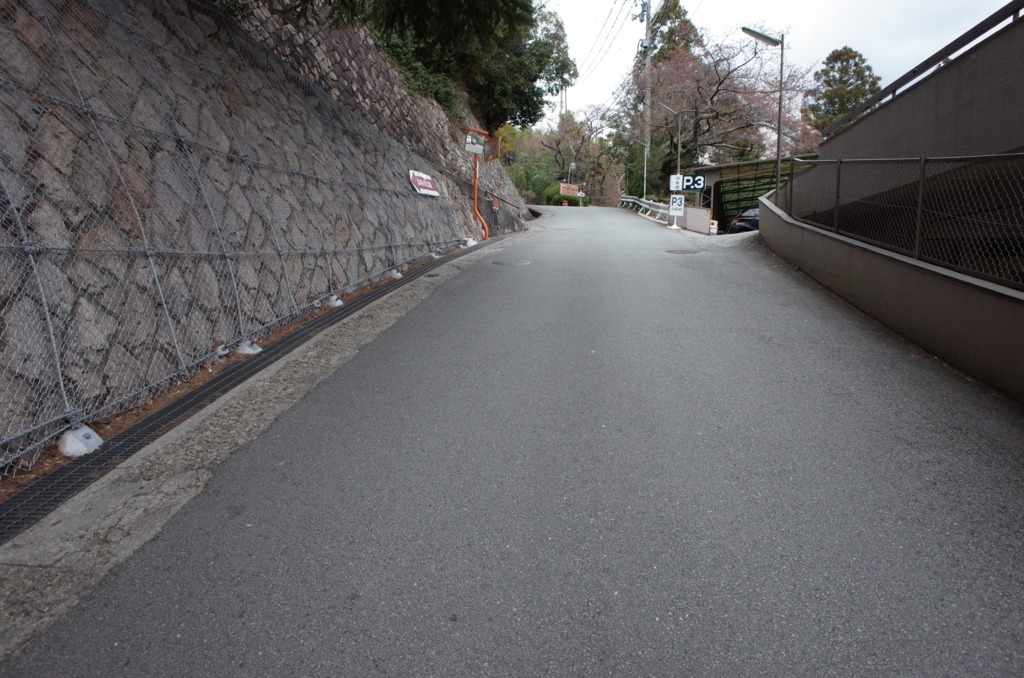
column 687, row 182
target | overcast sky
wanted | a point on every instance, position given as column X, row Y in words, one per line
column 894, row 35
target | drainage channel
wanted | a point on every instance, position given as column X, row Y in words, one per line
column 35, row 501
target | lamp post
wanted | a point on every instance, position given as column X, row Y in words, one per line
column 774, row 42
column 679, row 132
column 645, row 165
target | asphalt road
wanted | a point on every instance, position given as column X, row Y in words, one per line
column 610, row 461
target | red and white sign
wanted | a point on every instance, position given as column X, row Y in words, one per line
column 423, row 183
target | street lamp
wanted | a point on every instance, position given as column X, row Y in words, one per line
column 679, row 132
column 635, row 141
column 774, row 42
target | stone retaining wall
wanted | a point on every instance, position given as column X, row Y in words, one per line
column 169, row 185
column 357, row 74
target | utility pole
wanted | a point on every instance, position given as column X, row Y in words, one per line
column 646, row 8
column 645, row 16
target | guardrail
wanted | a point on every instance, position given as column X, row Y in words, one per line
column 645, row 208
column 964, row 213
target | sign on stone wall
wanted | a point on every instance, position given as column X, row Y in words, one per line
column 423, row 183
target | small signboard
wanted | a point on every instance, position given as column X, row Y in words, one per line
column 581, row 194
column 423, row 183
column 687, row 182
column 568, row 189
column 676, row 206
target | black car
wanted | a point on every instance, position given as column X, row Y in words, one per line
column 744, row 222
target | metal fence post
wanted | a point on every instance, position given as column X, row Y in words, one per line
column 920, row 211
column 792, row 173
column 835, row 213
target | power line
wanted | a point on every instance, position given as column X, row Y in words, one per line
column 598, row 37
column 610, row 39
column 603, row 51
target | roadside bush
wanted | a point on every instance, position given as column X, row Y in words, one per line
column 574, row 200
column 550, row 192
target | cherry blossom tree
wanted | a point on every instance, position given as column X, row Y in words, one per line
column 727, row 96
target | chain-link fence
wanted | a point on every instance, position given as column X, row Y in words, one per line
column 965, row 214
column 168, row 186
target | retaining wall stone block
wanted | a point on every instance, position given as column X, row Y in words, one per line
column 215, row 130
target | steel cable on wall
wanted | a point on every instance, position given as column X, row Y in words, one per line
column 169, row 186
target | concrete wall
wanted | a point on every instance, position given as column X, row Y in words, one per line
column 973, row 325
column 974, row 105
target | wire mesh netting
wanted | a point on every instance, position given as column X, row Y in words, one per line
column 965, row 214
column 168, row 186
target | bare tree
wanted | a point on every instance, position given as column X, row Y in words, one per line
column 579, row 139
column 727, row 97
column 572, row 140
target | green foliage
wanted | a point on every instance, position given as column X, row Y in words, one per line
column 552, row 49
column 435, row 25
column 236, row 9
column 671, row 30
column 510, row 84
column 573, row 200
column 844, row 83
column 534, row 170
column 503, row 89
column 510, row 135
column 536, row 184
column 417, row 77
column 635, row 176
column 507, row 54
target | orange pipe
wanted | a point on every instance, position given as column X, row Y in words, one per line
column 476, row 206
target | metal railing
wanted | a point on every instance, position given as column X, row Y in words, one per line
column 965, row 213
column 645, row 208
column 168, row 186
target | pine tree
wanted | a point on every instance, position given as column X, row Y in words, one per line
column 844, row 83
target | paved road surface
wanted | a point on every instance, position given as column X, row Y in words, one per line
column 612, row 461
